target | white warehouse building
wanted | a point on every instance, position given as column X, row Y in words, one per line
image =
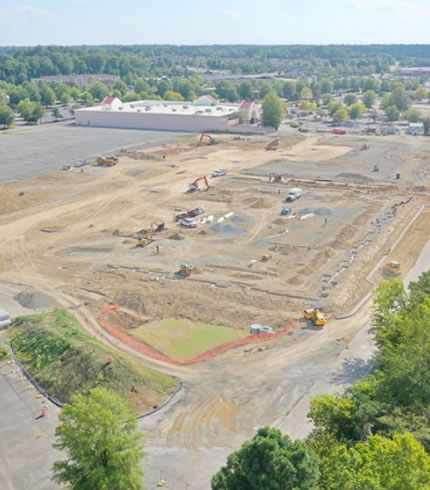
column 203, row 114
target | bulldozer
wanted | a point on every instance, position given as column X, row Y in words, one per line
column 184, row 270
column 274, row 178
column 392, row 269
column 106, row 161
column 314, row 314
column 193, row 187
column 211, row 141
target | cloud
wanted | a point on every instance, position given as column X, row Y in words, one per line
column 233, row 15
column 31, row 11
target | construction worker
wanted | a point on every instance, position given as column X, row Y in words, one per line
column 157, row 249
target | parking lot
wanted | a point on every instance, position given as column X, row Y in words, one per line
column 31, row 151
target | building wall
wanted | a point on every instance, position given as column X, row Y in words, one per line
column 139, row 120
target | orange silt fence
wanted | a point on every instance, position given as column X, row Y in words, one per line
column 215, row 351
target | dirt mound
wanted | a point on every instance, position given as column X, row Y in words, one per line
column 124, row 320
column 34, row 300
column 132, row 301
column 176, row 236
column 227, row 229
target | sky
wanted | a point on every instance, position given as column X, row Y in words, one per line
column 74, row 22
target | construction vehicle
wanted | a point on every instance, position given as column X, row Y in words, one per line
column 193, row 187
column 191, row 213
column 273, row 178
column 265, row 257
column 144, row 239
column 220, row 172
column 211, row 141
column 106, row 161
column 273, row 145
column 157, row 227
column 294, row 194
column 185, row 270
column 314, row 314
column 392, row 269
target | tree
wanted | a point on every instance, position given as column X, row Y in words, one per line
column 327, row 98
column 36, row 113
column 171, row 95
column 56, row 114
column 413, row 115
column 88, row 99
column 400, row 98
column 420, row 93
column 350, row 99
column 7, row 117
column 120, row 86
column 273, row 111
column 379, row 463
column 333, row 106
column 392, row 113
column 227, row 90
column 307, row 105
column 47, row 95
column 246, row 90
column 269, row 461
column 265, row 88
column 356, row 111
column 369, row 98
column 98, row 91
column 3, row 98
column 326, row 86
column 162, row 88
column 289, row 91
column 340, row 115
column 306, row 93
column 98, row 433
column 25, row 108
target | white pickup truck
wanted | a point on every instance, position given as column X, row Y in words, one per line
column 294, row 194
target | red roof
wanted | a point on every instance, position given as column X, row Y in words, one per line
column 108, row 100
column 246, row 104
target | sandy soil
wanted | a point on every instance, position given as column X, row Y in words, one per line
column 70, row 236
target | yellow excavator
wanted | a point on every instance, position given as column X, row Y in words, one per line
column 392, row 269
column 314, row 314
column 106, row 161
column 145, row 240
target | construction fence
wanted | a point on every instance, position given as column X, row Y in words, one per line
column 215, row 351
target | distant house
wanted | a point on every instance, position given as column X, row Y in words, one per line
column 251, row 110
column 416, row 129
column 79, row 80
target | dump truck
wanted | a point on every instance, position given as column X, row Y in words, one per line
column 184, row 270
column 106, row 161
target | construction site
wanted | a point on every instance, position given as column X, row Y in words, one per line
column 200, row 256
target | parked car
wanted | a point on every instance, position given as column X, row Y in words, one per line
column 188, row 222
column 219, row 172
column 286, row 211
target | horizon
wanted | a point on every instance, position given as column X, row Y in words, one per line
column 239, row 22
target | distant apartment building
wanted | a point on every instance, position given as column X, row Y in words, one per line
column 414, row 72
column 79, row 80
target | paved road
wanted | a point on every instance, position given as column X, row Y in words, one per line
column 31, row 151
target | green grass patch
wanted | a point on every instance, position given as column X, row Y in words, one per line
column 4, row 353
column 181, row 339
column 58, row 353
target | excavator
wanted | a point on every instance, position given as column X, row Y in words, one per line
column 211, row 141
column 184, row 270
column 106, row 161
column 314, row 314
column 156, row 227
column 273, row 145
column 145, row 240
column 194, row 187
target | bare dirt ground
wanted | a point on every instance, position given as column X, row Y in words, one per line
column 68, row 234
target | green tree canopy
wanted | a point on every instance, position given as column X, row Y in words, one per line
column 413, row 115
column 171, row 95
column 356, row 111
column 103, row 448
column 400, row 463
column 350, row 99
column 7, row 117
column 246, row 90
column 47, row 95
column 420, row 93
column 392, row 113
column 340, row 115
column 227, row 90
column 269, row 461
column 306, row 93
column 273, row 111
column 369, row 98
column 289, row 91
column 99, row 91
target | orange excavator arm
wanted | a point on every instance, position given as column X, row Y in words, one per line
column 204, row 178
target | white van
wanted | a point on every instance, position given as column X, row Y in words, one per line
column 294, row 194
